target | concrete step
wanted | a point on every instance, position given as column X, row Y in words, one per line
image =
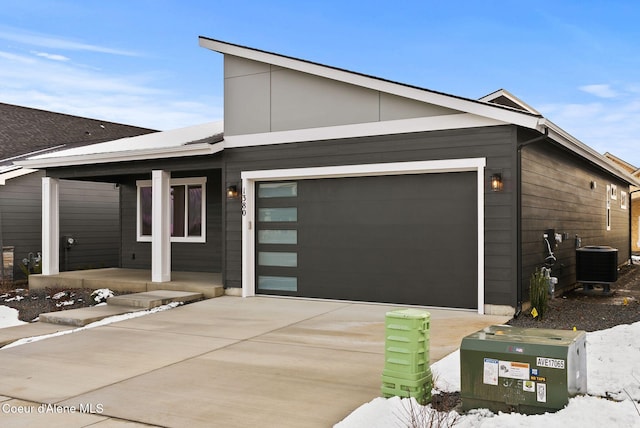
column 152, row 299
column 118, row 305
column 83, row 316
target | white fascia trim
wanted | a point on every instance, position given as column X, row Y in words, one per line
column 18, row 172
column 401, row 126
column 126, row 156
column 449, row 101
column 249, row 178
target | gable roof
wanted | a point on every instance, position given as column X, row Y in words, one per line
column 25, row 131
column 506, row 98
column 635, row 171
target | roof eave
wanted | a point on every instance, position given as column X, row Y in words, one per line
column 200, row 149
column 567, row 140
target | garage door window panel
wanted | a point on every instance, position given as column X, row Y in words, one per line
column 277, row 237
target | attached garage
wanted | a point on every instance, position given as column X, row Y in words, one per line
column 405, row 233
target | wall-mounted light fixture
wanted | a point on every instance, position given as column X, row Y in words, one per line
column 232, row 191
column 496, row 182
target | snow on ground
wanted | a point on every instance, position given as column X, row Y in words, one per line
column 9, row 317
column 613, row 370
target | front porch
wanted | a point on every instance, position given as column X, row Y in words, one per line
column 133, row 280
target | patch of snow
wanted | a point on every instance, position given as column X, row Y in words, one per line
column 65, row 303
column 9, row 317
column 613, row 370
column 14, row 299
column 101, row 295
column 59, row 295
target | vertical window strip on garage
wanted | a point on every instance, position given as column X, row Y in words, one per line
column 277, row 236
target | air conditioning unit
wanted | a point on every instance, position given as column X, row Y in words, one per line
column 596, row 264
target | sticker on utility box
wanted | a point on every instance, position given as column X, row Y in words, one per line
column 541, row 392
column 552, row 363
column 513, row 370
column 529, row 386
column 490, row 372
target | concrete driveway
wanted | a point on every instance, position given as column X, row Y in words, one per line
column 228, row 362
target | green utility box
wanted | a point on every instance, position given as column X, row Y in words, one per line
column 528, row 370
column 406, row 355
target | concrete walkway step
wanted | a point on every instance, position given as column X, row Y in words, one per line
column 118, row 305
column 152, row 299
column 83, row 316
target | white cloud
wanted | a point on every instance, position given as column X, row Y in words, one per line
column 55, row 42
column 53, row 57
column 610, row 125
column 602, row 91
column 141, row 99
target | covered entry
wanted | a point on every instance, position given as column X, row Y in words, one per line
column 408, row 236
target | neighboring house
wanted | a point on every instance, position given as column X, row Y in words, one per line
column 332, row 184
column 89, row 211
column 633, row 200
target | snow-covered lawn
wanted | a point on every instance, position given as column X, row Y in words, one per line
column 613, row 370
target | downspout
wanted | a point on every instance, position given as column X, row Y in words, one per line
column 519, row 215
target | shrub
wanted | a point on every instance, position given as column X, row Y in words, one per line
column 538, row 293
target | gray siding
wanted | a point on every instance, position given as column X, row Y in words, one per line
column 263, row 98
column 191, row 257
column 557, row 194
column 494, row 143
column 88, row 211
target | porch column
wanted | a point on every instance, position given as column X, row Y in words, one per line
column 50, row 226
column 160, row 226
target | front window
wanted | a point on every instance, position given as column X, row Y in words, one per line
column 188, row 214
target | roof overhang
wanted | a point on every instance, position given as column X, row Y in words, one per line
column 199, row 140
column 566, row 140
column 14, row 172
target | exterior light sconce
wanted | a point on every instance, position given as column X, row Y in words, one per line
column 496, row 182
column 232, row 191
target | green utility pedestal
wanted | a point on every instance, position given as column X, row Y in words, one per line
column 406, row 355
column 528, row 370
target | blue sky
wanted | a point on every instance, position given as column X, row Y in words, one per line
column 138, row 61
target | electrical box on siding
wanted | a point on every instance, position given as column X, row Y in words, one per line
column 528, row 370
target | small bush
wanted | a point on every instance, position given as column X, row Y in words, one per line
column 538, row 293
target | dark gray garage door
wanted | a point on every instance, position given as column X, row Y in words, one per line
column 409, row 239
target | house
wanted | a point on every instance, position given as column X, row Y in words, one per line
column 89, row 211
column 326, row 183
column 633, row 199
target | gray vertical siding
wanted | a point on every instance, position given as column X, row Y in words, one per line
column 494, row 143
column 557, row 193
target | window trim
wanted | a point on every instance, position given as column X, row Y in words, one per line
column 189, row 181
